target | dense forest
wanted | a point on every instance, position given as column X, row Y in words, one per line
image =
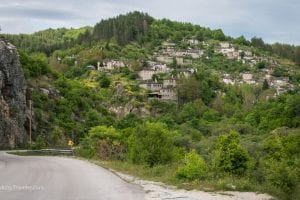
column 124, row 28
column 215, row 135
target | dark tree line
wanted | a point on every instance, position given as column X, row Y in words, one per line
column 284, row 50
column 124, row 28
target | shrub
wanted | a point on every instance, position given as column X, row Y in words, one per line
column 34, row 64
column 103, row 132
column 151, row 144
column 130, row 120
column 281, row 163
column 284, row 177
column 105, row 142
column 108, row 149
column 39, row 143
column 86, row 148
column 103, row 80
column 194, row 167
column 230, row 156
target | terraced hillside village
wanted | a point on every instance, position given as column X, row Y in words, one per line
column 169, row 101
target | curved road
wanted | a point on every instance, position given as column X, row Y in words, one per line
column 59, row 178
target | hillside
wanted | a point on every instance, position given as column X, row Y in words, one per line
column 183, row 103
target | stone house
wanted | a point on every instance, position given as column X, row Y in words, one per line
column 161, row 68
column 165, row 59
column 183, row 61
column 227, row 79
column 147, row 74
column 168, row 93
column 248, row 53
column 280, row 82
column 185, row 72
column 234, row 55
column 153, row 86
column 179, row 60
column 248, row 78
column 169, row 82
column 111, row 64
column 193, row 42
column 224, row 45
column 195, row 53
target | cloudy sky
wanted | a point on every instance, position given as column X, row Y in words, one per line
column 273, row 20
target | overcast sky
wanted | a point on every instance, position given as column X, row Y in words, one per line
column 273, row 20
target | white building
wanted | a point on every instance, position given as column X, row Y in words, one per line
column 193, row 42
column 112, row 64
column 224, row 45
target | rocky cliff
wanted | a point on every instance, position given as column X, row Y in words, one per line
column 12, row 97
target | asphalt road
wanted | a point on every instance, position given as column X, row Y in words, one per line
column 59, row 178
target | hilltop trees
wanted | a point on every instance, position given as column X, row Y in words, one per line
column 219, row 35
column 124, row 28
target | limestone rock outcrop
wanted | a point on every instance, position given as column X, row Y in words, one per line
column 12, row 97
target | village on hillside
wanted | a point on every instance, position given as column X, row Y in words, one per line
column 162, row 62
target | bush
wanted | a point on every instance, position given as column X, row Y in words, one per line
column 230, row 157
column 86, row 148
column 281, row 162
column 39, row 143
column 103, row 132
column 103, row 80
column 130, row 120
column 194, row 167
column 110, row 150
column 34, row 64
column 284, row 177
column 151, row 144
column 105, row 142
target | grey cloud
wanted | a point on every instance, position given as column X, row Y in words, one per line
column 36, row 13
column 274, row 20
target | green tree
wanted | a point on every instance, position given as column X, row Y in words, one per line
column 219, row 35
column 34, row 64
column 258, row 42
column 230, row 156
column 151, row 144
column 192, row 110
column 130, row 120
column 242, row 41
